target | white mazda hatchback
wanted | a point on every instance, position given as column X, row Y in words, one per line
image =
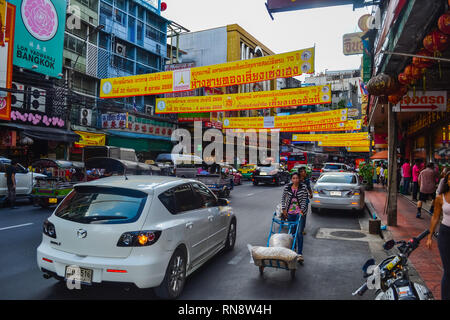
column 149, row 231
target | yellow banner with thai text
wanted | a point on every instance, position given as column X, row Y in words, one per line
column 246, row 101
column 331, row 137
column 239, row 72
column 90, row 139
column 288, row 121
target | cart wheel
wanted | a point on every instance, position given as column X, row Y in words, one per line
column 292, row 273
column 261, row 271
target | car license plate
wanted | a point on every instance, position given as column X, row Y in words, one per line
column 263, row 174
column 79, row 274
column 52, row 200
column 335, row 193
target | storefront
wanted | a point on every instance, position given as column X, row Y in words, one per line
column 26, row 143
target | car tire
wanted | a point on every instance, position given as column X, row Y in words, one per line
column 175, row 276
column 315, row 210
column 255, row 183
column 277, row 182
column 292, row 272
column 231, row 237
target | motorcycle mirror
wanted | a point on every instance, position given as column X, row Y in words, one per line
column 389, row 245
column 368, row 263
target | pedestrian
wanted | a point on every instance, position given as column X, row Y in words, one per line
column 406, row 171
column 304, row 179
column 415, row 176
column 442, row 204
column 11, row 183
column 427, row 188
column 294, row 206
column 378, row 172
column 382, row 175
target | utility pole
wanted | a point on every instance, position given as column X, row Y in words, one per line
column 70, row 74
column 391, row 205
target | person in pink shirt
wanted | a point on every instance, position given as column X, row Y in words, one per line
column 427, row 184
column 406, row 171
column 415, row 176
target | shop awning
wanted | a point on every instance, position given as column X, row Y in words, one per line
column 44, row 133
column 139, row 141
column 380, row 155
column 125, row 134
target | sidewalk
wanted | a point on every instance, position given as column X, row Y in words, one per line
column 427, row 262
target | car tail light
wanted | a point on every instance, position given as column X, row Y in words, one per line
column 116, row 271
column 138, row 238
column 47, row 260
column 49, row 229
column 321, row 170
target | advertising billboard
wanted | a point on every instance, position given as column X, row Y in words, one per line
column 40, row 24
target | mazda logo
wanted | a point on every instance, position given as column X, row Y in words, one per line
column 81, row 233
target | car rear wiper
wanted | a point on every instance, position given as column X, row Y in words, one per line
column 98, row 218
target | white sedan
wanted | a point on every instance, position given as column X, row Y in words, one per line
column 149, row 231
column 338, row 190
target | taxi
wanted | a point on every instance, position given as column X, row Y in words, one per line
column 247, row 170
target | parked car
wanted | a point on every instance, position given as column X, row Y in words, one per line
column 150, row 231
column 335, row 167
column 247, row 171
column 25, row 181
column 338, row 190
column 274, row 174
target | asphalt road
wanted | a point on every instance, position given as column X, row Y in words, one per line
column 332, row 268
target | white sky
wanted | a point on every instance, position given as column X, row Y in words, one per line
column 292, row 30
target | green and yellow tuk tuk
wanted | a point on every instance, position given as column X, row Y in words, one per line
column 60, row 177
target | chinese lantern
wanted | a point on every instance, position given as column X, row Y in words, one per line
column 423, row 62
column 163, row 6
column 404, row 79
column 444, row 23
column 382, row 84
column 436, row 42
column 394, row 99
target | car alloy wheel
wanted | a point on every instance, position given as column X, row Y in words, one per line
column 231, row 238
column 175, row 277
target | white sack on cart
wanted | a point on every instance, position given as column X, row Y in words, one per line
column 277, row 253
column 283, row 240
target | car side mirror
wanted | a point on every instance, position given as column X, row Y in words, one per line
column 389, row 245
column 223, row 202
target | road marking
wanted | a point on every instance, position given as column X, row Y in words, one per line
column 17, row 226
column 237, row 258
column 250, row 194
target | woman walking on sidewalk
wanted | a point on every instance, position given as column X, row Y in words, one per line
column 442, row 207
column 294, row 205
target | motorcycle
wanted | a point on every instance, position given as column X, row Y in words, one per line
column 391, row 278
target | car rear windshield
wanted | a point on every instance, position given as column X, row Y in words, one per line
column 338, row 179
column 104, row 205
column 333, row 166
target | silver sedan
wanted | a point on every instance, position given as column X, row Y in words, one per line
column 338, row 190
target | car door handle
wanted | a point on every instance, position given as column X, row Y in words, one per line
column 189, row 225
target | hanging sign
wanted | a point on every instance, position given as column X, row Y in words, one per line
column 422, row 101
column 90, row 139
column 352, row 43
column 283, row 65
column 247, row 101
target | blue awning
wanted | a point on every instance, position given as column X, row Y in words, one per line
column 133, row 135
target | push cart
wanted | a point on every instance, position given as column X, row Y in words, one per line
column 280, row 226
